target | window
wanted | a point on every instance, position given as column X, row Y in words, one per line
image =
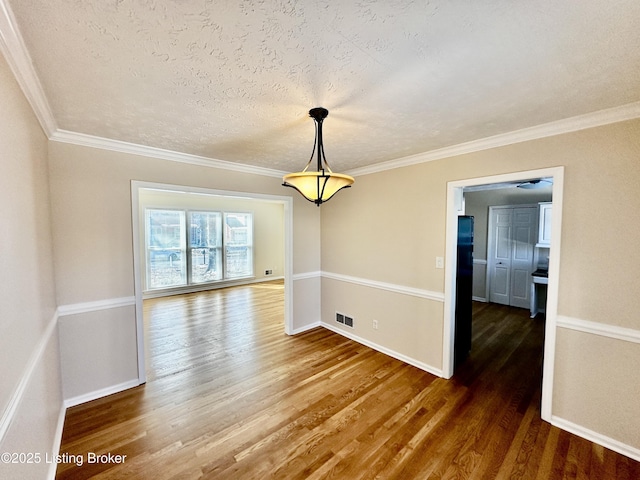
column 205, row 247
column 238, row 245
column 165, row 234
column 214, row 253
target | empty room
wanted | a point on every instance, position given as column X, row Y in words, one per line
column 310, row 239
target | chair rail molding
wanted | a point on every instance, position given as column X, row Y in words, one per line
column 34, row 360
column 86, row 307
column 390, row 287
column 600, row 329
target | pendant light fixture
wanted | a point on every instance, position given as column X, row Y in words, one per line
column 318, row 186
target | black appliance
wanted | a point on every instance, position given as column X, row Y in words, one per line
column 464, row 284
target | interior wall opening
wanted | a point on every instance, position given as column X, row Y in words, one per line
column 267, row 257
column 511, row 241
column 473, row 198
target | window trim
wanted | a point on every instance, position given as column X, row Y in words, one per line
column 147, row 249
column 249, row 246
column 218, row 247
column 189, row 285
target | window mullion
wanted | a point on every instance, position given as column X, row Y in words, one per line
column 189, row 253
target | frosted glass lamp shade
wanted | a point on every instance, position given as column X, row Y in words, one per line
column 318, row 187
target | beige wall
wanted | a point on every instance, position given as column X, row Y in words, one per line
column 391, row 227
column 92, row 231
column 30, row 394
column 597, row 385
column 98, row 351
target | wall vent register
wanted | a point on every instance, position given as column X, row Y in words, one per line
column 345, row 320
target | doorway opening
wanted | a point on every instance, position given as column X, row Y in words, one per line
column 137, row 215
column 455, row 207
column 512, row 241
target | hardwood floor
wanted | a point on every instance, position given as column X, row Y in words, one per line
column 230, row 396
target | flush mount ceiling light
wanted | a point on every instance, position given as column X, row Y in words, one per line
column 318, row 186
column 535, row 184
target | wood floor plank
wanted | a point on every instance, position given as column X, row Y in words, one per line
column 230, row 396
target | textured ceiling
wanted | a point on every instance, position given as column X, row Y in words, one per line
column 233, row 80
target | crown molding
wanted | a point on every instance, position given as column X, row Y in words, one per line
column 14, row 50
column 17, row 56
column 65, row 136
column 603, row 117
column 622, row 113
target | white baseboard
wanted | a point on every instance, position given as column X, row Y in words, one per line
column 611, row 331
column 306, row 328
column 57, row 441
column 398, row 356
column 87, row 397
column 479, row 299
column 595, row 437
column 167, row 292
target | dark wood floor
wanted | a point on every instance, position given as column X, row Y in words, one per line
column 230, row 396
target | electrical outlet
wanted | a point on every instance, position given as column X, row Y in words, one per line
column 268, row 272
column 375, row 324
column 439, row 262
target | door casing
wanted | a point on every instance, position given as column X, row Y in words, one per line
column 454, row 194
column 136, row 186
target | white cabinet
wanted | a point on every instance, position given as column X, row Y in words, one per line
column 538, row 286
column 540, row 280
column 544, row 228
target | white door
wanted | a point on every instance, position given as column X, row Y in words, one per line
column 513, row 233
column 525, row 227
column 500, row 256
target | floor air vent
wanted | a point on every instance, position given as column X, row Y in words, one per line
column 343, row 319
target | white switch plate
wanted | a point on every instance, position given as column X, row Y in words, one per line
column 439, row 262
